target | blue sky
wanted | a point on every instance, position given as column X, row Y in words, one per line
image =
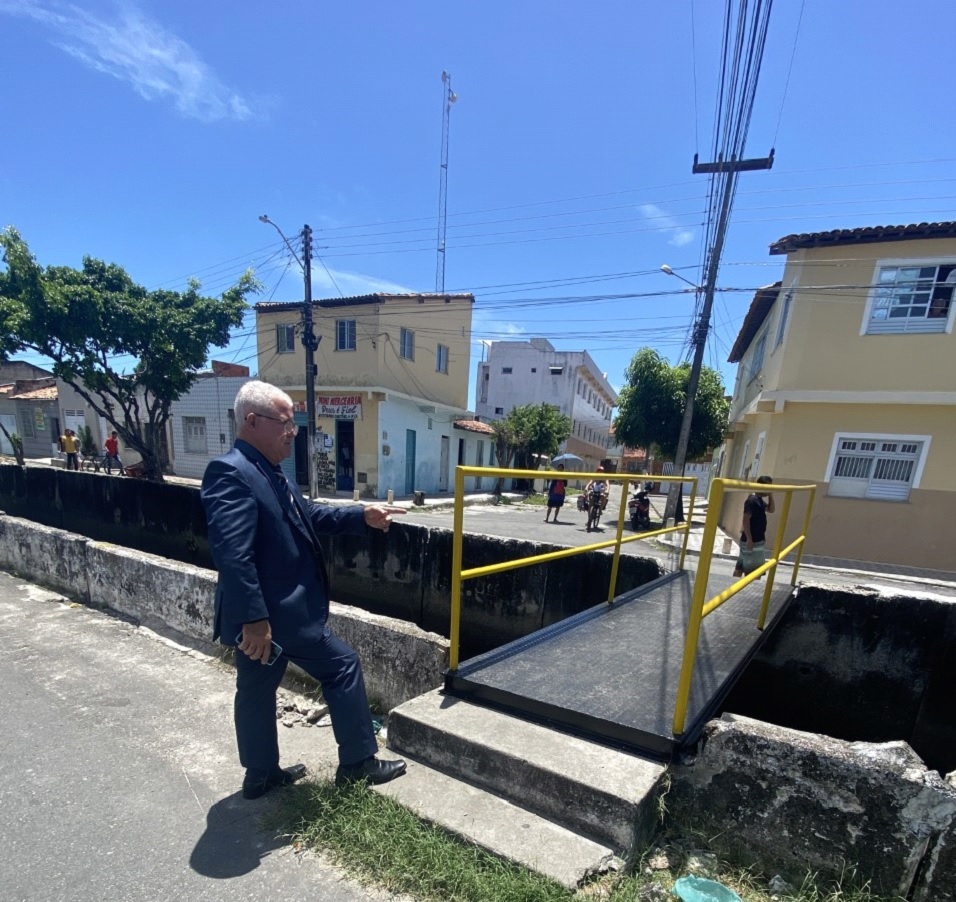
column 153, row 134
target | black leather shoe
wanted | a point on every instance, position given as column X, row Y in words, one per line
column 371, row 770
column 254, row 789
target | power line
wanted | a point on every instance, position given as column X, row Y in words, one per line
column 786, row 86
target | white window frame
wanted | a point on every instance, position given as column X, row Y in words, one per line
column 441, row 359
column 406, row 344
column 784, row 316
column 195, row 438
column 758, row 453
column 345, row 339
column 878, row 437
column 915, row 325
column 743, row 460
column 285, row 338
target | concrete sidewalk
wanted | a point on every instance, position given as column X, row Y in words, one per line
column 118, row 771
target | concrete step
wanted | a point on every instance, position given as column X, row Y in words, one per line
column 498, row 826
column 602, row 793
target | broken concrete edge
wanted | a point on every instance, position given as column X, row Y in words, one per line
column 808, row 803
column 400, row 661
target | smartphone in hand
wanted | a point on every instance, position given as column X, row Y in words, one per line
column 273, row 654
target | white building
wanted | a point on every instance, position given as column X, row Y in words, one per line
column 533, row 372
column 202, row 423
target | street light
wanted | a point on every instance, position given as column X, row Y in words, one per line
column 264, row 218
column 670, row 272
column 309, row 342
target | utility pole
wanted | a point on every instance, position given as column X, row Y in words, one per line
column 309, row 343
column 731, row 168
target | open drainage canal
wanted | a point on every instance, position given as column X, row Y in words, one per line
column 860, row 666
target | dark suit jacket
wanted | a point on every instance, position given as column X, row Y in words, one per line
column 265, row 548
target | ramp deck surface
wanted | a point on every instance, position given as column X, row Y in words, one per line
column 611, row 672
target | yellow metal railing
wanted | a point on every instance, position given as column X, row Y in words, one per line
column 458, row 575
column 699, row 609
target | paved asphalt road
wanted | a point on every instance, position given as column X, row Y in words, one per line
column 118, row 770
column 526, row 521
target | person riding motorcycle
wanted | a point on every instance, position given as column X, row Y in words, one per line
column 639, row 508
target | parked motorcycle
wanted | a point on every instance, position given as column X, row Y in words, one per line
column 639, row 507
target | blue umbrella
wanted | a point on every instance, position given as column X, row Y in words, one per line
column 567, row 458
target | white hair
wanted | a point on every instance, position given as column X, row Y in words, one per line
column 256, row 396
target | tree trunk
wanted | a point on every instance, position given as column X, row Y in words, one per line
column 17, row 446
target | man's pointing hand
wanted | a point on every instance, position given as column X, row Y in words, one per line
column 379, row 516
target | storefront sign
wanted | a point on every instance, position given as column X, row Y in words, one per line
column 339, row 407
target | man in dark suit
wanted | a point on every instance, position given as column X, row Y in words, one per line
column 273, row 591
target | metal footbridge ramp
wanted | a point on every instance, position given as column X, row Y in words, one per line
column 648, row 668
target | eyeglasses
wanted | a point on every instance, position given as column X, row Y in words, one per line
column 288, row 427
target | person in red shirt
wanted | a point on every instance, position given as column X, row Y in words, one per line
column 556, row 490
column 112, row 454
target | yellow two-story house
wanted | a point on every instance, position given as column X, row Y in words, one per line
column 391, row 380
column 847, row 378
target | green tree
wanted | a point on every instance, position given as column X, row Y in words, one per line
column 528, row 433
column 504, row 439
column 538, row 430
column 87, row 320
column 11, row 318
column 651, row 406
column 87, row 445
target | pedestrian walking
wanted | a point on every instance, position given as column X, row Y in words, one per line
column 272, row 596
column 112, row 454
column 556, row 492
column 753, row 532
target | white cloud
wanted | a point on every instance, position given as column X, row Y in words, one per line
column 351, row 284
column 139, row 51
column 493, row 329
column 667, row 224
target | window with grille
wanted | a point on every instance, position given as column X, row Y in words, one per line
column 194, row 435
column 407, row 342
column 441, row 359
column 883, row 467
column 912, row 299
column 26, row 423
column 285, row 338
column 756, row 361
column 784, row 317
column 345, row 335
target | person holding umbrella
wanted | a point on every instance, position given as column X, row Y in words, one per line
column 556, row 489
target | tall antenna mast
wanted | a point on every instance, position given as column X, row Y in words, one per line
column 448, row 98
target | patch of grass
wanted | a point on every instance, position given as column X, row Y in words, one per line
column 378, row 841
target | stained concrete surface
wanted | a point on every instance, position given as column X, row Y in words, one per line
column 118, row 770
